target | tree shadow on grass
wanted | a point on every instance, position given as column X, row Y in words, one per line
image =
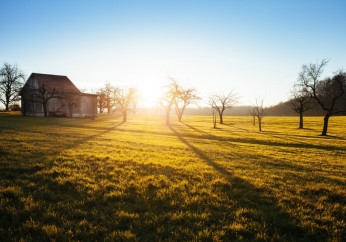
column 277, row 224
column 297, row 144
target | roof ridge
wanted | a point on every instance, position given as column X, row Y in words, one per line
column 36, row 73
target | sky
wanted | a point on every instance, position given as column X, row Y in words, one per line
column 255, row 48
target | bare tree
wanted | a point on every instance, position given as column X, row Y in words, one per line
column 184, row 98
column 258, row 112
column 221, row 102
column 328, row 93
column 72, row 100
column 101, row 100
column 134, row 99
column 40, row 95
column 10, row 84
column 108, row 90
column 169, row 97
column 214, row 119
column 300, row 102
column 122, row 100
column 252, row 112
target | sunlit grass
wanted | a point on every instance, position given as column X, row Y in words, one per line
column 84, row 179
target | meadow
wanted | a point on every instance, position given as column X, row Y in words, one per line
column 103, row 180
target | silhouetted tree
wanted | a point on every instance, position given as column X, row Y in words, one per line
column 101, row 100
column 169, row 97
column 221, row 102
column 134, row 99
column 40, row 95
column 184, row 98
column 10, row 84
column 72, row 100
column 122, row 99
column 214, row 119
column 328, row 93
column 109, row 92
column 258, row 111
column 252, row 112
column 300, row 102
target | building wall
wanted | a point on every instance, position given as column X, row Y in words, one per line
column 88, row 108
column 85, row 105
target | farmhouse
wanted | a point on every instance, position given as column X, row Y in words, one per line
column 54, row 95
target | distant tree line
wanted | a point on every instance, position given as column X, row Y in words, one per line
column 310, row 95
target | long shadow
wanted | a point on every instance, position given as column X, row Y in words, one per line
column 279, row 164
column 242, row 140
column 247, row 195
column 264, row 142
column 43, row 157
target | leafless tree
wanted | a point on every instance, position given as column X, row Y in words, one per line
column 252, row 112
column 134, row 99
column 221, row 102
column 328, row 93
column 258, row 112
column 41, row 95
column 10, row 84
column 300, row 102
column 101, row 100
column 184, row 98
column 108, row 91
column 72, row 100
column 169, row 97
column 122, row 100
column 214, row 119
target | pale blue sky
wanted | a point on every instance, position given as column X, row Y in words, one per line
column 254, row 47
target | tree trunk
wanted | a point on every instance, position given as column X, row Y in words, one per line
column 45, row 113
column 254, row 120
column 124, row 116
column 325, row 125
column 7, row 105
column 167, row 117
column 221, row 118
column 301, row 120
column 260, row 123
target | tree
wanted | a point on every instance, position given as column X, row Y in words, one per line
column 134, row 99
column 252, row 112
column 101, row 100
column 214, row 119
column 40, row 95
column 221, row 102
column 108, row 90
column 72, row 100
column 258, row 111
column 10, row 84
column 184, row 98
column 328, row 93
column 300, row 102
column 169, row 97
column 122, row 99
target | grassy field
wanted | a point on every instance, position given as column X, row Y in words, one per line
column 86, row 180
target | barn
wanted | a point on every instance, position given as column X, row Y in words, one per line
column 54, row 95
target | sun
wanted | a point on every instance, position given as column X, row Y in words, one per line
column 149, row 95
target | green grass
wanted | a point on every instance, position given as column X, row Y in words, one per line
column 87, row 180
